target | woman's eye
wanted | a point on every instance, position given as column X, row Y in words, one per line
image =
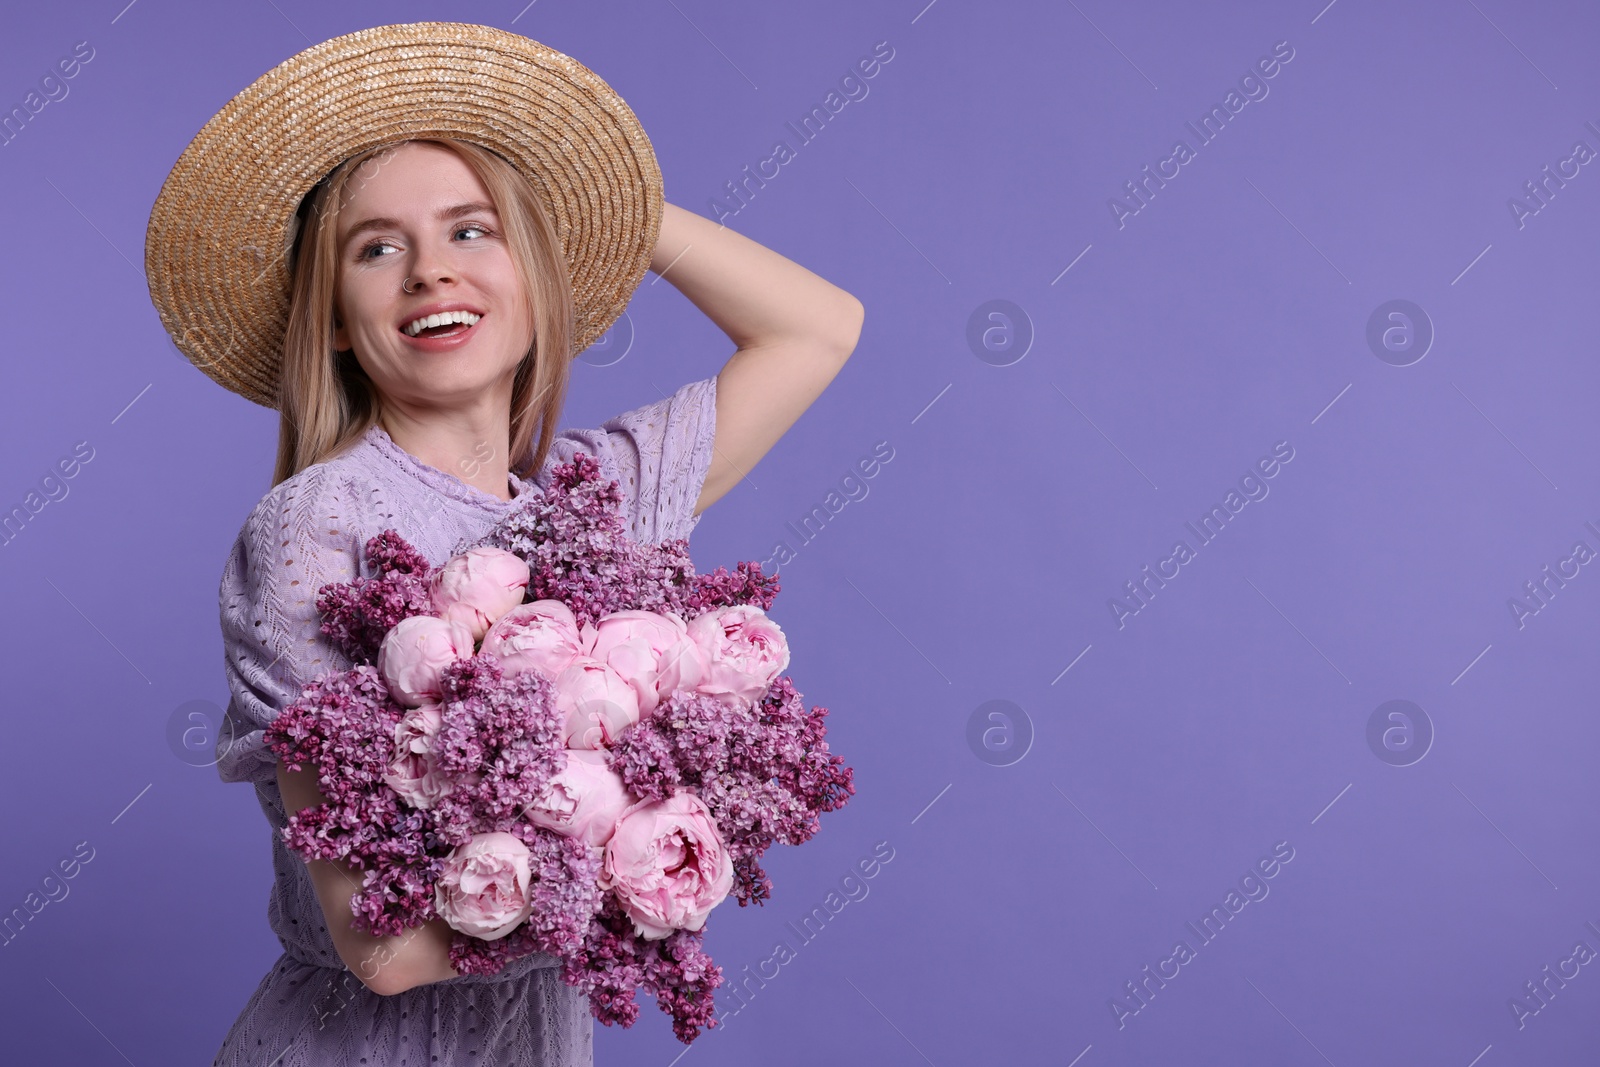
column 366, row 253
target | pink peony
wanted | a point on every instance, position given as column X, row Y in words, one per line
column 411, row 772
column 667, row 865
column 583, row 801
column 597, row 702
column 745, row 652
column 478, row 587
column 483, row 886
column 415, row 651
column 652, row 652
column 541, row 636
column 683, row 666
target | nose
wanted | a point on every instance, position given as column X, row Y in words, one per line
column 431, row 264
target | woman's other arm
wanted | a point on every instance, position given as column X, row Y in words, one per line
column 301, row 535
column 793, row 330
column 385, row 965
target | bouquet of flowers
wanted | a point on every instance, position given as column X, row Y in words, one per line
column 561, row 741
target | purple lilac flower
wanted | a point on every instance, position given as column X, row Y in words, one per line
column 764, row 771
column 356, row 614
column 343, row 725
column 501, row 742
column 613, row 963
column 579, row 552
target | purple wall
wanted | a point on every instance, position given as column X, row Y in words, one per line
column 1066, row 387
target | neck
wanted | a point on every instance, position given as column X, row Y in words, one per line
column 471, row 444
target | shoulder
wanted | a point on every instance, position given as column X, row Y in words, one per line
column 310, row 516
column 687, row 413
column 687, row 409
column 614, row 443
column 316, row 489
column 658, row 454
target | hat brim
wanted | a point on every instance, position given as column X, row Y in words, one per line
column 218, row 244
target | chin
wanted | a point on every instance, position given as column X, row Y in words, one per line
column 458, row 375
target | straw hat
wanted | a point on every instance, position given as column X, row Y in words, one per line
column 217, row 250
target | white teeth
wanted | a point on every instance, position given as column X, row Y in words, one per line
column 416, row 326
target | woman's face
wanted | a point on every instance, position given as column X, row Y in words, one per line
column 419, row 212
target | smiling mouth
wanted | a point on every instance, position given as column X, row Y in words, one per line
column 448, row 329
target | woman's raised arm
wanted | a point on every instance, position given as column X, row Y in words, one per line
column 793, row 331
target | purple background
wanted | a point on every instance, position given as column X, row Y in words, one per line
column 1230, row 714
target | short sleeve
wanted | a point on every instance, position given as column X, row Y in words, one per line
column 299, row 537
column 659, row 454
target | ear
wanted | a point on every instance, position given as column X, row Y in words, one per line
column 341, row 336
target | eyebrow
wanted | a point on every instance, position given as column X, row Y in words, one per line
column 443, row 215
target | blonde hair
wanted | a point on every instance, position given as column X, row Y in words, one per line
column 327, row 402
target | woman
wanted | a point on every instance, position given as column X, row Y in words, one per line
column 432, row 315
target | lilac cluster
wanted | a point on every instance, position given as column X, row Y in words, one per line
column 343, row 725
column 764, row 771
column 499, row 741
column 613, row 963
column 580, row 553
column 501, row 738
column 356, row 614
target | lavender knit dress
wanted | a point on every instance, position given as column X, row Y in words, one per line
column 310, row 1010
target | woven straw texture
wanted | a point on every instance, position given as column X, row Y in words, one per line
column 218, row 244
